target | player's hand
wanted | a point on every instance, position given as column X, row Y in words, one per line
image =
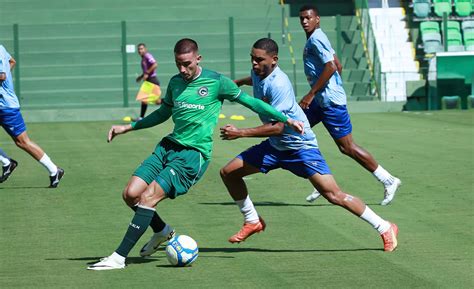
column 118, row 129
column 145, row 76
column 306, row 100
column 296, row 125
column 230, row 132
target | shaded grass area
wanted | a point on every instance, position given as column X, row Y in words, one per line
column 48, row 236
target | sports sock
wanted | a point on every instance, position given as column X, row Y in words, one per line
column 143, row 109
column 248, row 210
column 5, row 161
column 157, row 224
column 375, row 220
column 49, row 165
column 137, row 227
column 383, row 176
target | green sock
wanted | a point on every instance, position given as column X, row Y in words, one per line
column 136, row 229
column 157, row 224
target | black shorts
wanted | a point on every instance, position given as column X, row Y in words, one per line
column 153, row 79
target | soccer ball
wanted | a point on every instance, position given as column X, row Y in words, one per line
column 181, row 250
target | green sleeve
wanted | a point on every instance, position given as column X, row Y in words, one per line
column 158, row 116
column 228, row 89
column 260, row 107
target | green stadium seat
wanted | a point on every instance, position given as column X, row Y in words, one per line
column 469, row 40
column 441, row 6
column 463, row 7
column 467, row 25
column 452, row 26
column 421, row 8
column 470, row 101
column 451, row 102
column 428, row 27
column 455, row 41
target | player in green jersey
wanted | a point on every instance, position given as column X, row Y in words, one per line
column 193, row 99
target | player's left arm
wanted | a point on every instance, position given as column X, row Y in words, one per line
column 149, row 70
column 244, row 81
column 231, row 132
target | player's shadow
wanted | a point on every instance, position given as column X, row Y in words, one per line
column 268, row 204
column 92, row 260
column 241, row 250
column 279, row 204
column 22, row 188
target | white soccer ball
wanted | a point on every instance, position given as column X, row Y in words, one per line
column 181, row 250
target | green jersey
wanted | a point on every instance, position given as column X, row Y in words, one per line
column 195, row 106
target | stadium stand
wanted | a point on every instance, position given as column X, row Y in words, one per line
column 70, row 52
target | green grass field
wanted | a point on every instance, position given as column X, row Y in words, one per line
column 48, row 236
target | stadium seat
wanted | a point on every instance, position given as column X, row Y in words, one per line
column 469, row 40
column 421, row 8
column 432, row 43
column 429, row 27
column 452, row 26
column 463, row 7
column 455, row 41
column 451, row 102
column 441, row 6
column 467, row 25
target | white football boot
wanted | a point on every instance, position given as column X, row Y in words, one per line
column 390, row 191
column 108, row 263
column 156, row 240
column 313, row 196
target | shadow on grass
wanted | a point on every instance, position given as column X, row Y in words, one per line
column 241, row 250
column 269, row 204
column 22, row 188
column 92, row 260
column 279, row 204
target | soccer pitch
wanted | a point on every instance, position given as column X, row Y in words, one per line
column 48, row 236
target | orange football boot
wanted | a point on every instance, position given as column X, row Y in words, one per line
column 248, row 230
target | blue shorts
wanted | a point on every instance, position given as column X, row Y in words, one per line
column 303, row 163
column 12, row 121
column 335, row 118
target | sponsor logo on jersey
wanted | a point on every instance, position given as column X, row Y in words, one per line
column 203, row 91
column 182, row 104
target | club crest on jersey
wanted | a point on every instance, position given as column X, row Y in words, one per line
column 203, row 91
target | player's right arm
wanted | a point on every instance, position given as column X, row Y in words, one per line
column 244, row 81
column 231, row 132
column 338, row 64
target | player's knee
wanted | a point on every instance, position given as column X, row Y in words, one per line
column 225, row 173
column 130, row 196
column 335, row 197
column 22, row 143
column 347, row 149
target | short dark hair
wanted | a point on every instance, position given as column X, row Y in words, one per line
column 307, row 7
column 141, row 44
column 185, row 45
column 267, row 44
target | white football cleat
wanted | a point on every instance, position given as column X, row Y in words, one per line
column 107, row 263
column 156, row 240
column 313, row 196
column 390, row 191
